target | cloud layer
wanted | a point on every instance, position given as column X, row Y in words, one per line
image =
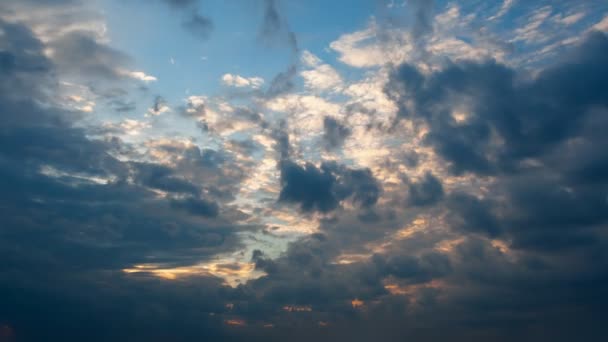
column 445, row 175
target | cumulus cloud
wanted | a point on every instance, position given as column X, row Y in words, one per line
column 322, row 189
column 90, row 214
column 456, row 192
column 319, row 76
column 501, row 108
column 240, row 81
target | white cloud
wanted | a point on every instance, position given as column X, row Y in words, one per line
column 138, row 75
column 196, row 100
column 52, row 22
column 321, row 76
column 364, row 49
column 162, row 108
column 571, row 19
column 361, row 49
column 238, row 81
column 506, row 6
column 306, row 111
column 309, row 59
column 602, row 25
column 127, row 126
column 531, row 32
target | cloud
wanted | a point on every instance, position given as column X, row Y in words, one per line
column 194, row 22
column 140, row 75
column 79, row 54
column 426, row 192
column 457, row 196
column 487, row 89
column 504, row 9
column 602, row 25
column 274, row 27
column 282, row 83
column 572, row 19
column 320, row 76
column 199, row 26
column 197, row 206
column 160, row 106
column 423, row 17
column 240, row 81
column 322, row 189
column 334, row 133
column 91, row 214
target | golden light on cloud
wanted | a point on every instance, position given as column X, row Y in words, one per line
column 345, row 259
column 446, row 246
column 297, row 308
column 233, row 273
column 357, row 303
column 419, row 224
column 501, row 245
column 165, row 273
column 397, row 289
column 460, row 117
column 235, row 322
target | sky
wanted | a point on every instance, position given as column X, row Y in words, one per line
column 271, row 170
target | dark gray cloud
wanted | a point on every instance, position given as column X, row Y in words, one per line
column 197, row 206
column 282, row 83
column 162, row 178
column 199, row 26
column 334, row 133
column 473, row 214
column 530, row 116
column 501, row 262
column 274, row 27
column 522, row 130
column 422, row 13
column 73, row 216
column 322, row 189
column 79, row 54
column 426, row 192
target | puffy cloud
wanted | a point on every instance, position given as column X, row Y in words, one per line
column 426, row 192
column 509, row 117
column 322, row 189
column 240, row 81
column 319, row 76
column 460, row 194
column 140, row 75
column 76, row 211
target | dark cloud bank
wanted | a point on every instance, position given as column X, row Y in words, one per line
column 64, row 238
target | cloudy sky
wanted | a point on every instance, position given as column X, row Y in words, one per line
column 271, row 170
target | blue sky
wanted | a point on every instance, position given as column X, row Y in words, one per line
column 363, row 170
